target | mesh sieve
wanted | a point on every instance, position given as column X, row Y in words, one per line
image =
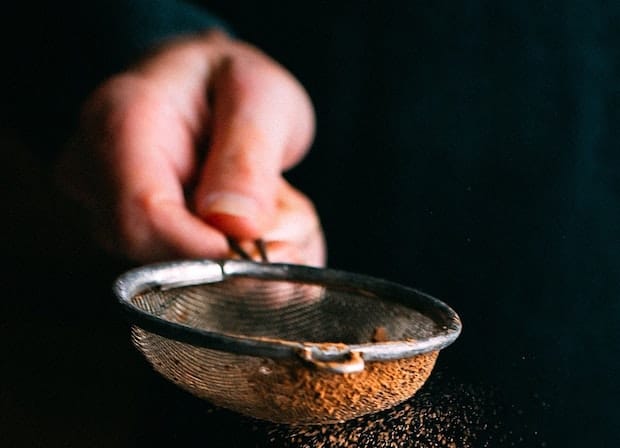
column 285, row 343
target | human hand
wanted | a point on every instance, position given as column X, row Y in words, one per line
column 188, row 147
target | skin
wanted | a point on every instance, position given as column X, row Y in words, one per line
column 188, row 147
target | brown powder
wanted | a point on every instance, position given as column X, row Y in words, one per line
column 380, row 335
column 453, row 416
column 285, row 390
column 444, row 413
column 293, row 392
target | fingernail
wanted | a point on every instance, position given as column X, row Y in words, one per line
column 229, row 204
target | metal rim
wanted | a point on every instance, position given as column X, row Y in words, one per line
column 175, row 274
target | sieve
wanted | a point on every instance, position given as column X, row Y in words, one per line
column 282, row 342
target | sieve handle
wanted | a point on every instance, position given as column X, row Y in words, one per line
column 350, row 362
column 237, row 249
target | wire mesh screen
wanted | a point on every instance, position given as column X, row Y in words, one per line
column 283, row 343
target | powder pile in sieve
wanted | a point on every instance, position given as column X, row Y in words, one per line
column 292, row 392
column 288, row 391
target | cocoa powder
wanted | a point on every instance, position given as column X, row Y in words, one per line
column 380, row 335
column 438, row 416
column 291, row 391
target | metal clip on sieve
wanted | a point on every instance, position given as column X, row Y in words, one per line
column 343, row 361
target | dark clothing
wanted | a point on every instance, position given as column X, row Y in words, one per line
column 470, row 149
column 63, row 49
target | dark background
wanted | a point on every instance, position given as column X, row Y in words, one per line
column 469, row 149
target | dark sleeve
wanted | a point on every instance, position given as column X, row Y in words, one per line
column 63, row 49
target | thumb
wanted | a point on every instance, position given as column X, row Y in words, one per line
column 262, row 124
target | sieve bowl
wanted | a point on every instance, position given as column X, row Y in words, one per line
column 285, row 343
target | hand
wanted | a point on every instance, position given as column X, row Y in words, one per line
column 188, row 147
